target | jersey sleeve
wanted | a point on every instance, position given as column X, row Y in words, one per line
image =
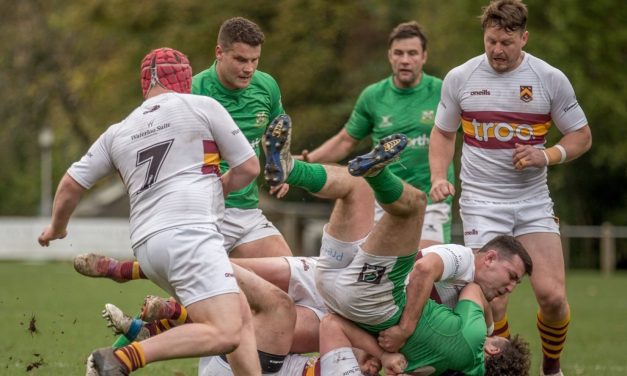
column 565, row 110
column 448, row 114
column 96, row 163
column 360, row 123
column 233, row 145
column 458, row 260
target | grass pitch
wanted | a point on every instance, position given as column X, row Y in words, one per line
column 52, row 321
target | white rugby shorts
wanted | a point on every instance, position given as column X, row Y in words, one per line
column 188, row 262
column 437, row 216
column 484, row 220
column 302, row 286
column 241, row 226
column 343, row 272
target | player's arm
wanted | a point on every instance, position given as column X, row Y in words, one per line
column 427, row 270
column 334, row 149
column 337, row 332
column 441, row 152
column 241, row 175
column 66, row 199
column 571, row 146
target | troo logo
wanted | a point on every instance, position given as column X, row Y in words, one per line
column 502, row 131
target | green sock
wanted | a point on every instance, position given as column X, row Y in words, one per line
column 311, row 176
column 387, row 187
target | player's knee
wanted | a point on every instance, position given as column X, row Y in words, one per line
column 552, row 301
column 419, row 200
column 229, row 332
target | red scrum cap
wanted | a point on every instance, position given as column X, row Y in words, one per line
column 167, row 68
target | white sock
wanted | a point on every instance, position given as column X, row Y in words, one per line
column 340, row 361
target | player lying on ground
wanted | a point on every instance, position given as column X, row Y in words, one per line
column 272, row 315
column 359, row 275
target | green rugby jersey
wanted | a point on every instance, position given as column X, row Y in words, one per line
column 383, row 109
column 252, row 108
column 448, row 339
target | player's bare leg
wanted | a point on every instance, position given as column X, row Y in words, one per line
column 549, row 286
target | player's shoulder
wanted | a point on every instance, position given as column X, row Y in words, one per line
column 542, row 68
column 431, row 82
column 455, row 249
column 376, row 88
column 264, row 79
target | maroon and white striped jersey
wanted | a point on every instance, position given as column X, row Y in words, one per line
column 167, row 152
column 499, row 110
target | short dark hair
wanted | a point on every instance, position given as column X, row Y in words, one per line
column 240, row 30
column 509, row 15
column 408, row 30
column 508, row 246
column 513, row 360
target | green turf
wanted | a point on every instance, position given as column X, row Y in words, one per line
column 66, row 307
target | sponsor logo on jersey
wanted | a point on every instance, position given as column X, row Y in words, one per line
column 571, row 106
column 427, row 116
column 480, row 92
column 371, row 274
column 431, row 228
column 386, row 121
column 261, row 119
column 229, row 275
column 502, row 130
column 471, row 232
column 526, row 93
column 420, row 141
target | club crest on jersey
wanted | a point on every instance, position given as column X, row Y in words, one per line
column 262, row 119
column 526, row 93
column 427, row 116
column 371, row 274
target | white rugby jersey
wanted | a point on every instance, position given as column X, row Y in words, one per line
column 459, row 270
column 167, row 152
column 498, row 110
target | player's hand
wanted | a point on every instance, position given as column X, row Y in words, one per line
column 280, row 190
column 393, row 363
column 527, row 156
column 50, row 234
column 392, row 339
column 304, row 156
column 441, row 189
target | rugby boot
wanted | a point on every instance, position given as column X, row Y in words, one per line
column 120, row 323
column 96, row 266
column 276, row 146
column 157, row 308
column 385, row 152
column 102, row 362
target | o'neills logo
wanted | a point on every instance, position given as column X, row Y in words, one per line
column 526, row 93
column 480, row 92
column 472, row 232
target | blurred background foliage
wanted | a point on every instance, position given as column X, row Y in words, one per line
column 73, row 66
